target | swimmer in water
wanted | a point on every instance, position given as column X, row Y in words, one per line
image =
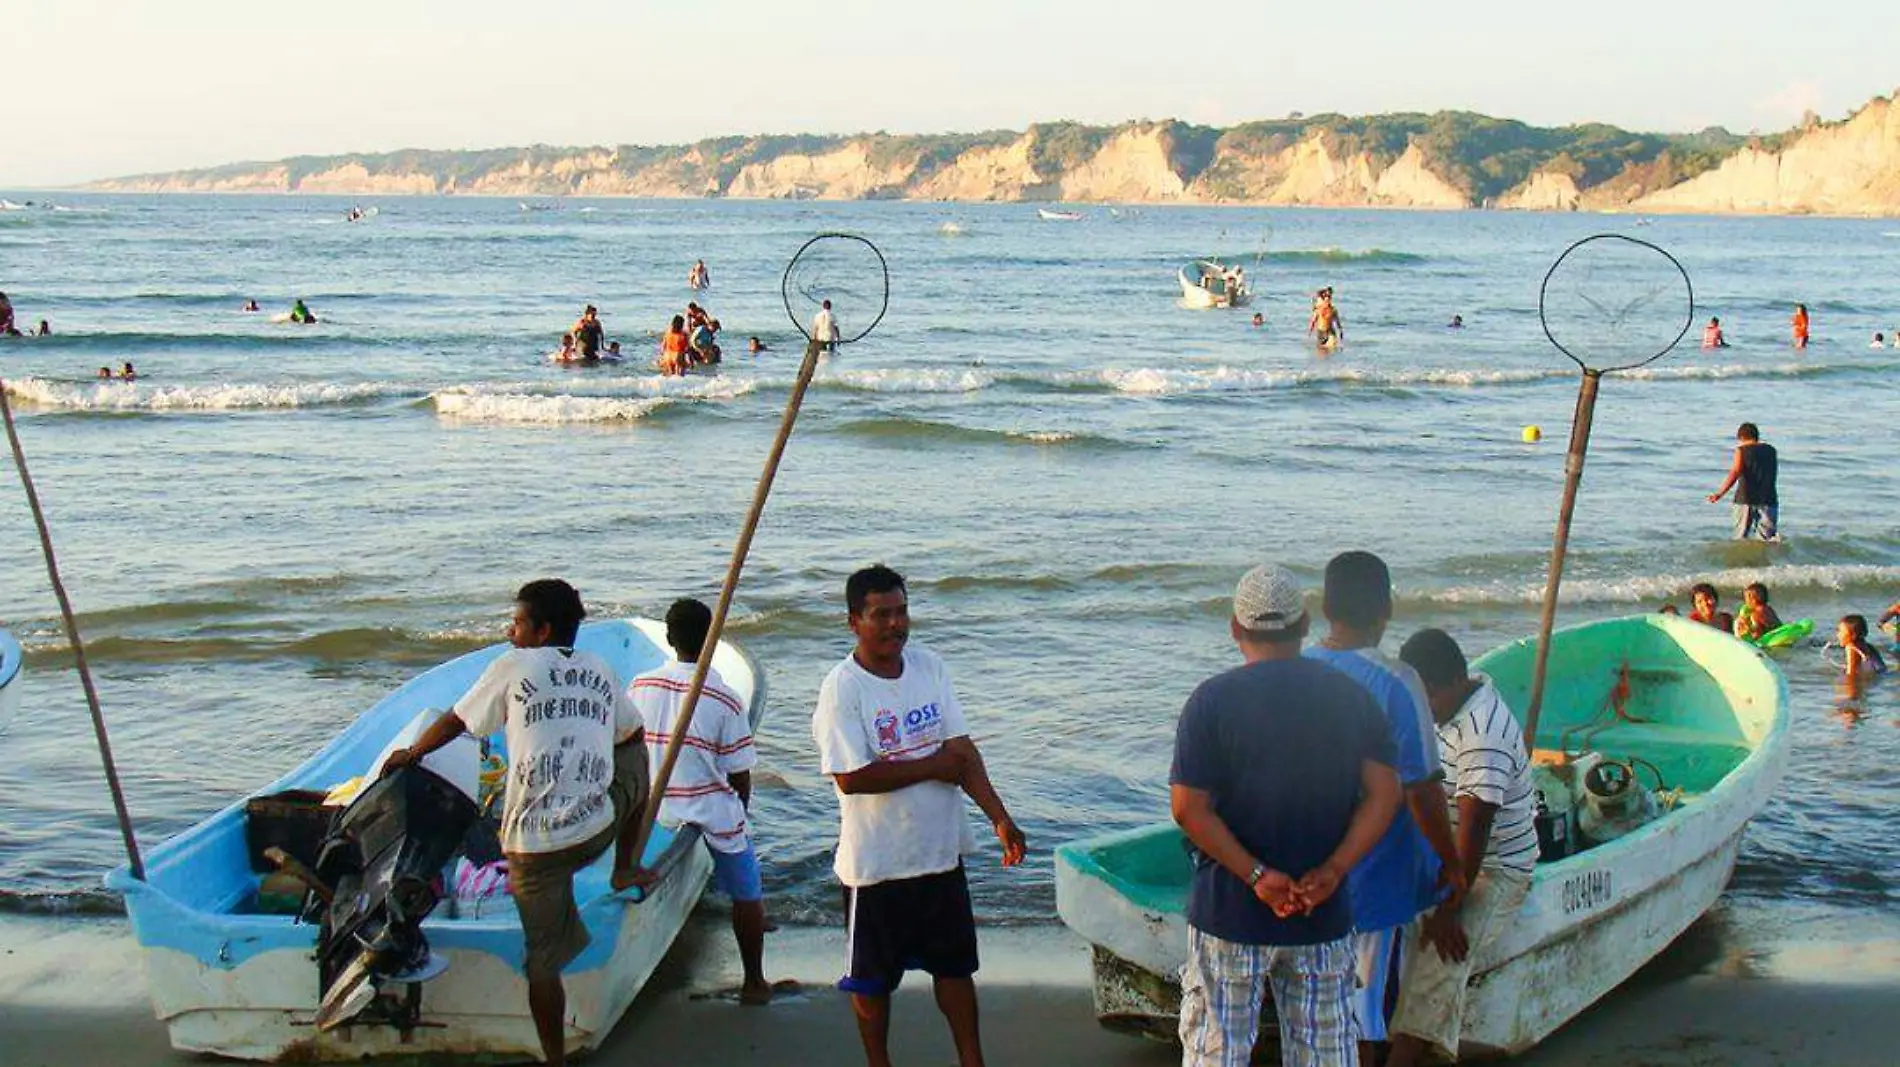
column 105, row 374
column 567, row 354
column 44, row 330
column 1880, row 341
column 1712, row 336
column 755, row 346
column 1799, row 325
column 1457, row 323
column 1259, row 319
column 1863, row 660
column 1756, row 617
column 301, row 315
column 1327, row 326
column 128, row 373
column 250, row 305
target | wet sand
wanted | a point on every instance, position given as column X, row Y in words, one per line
column 1738, row 990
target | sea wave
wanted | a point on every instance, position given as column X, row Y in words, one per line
column 1332, row 255
column 143, row 397
column 906, row 380
column 1786, row 581
column 928, row 431
column 349, row 647
column 61, row 902
column 544, row 410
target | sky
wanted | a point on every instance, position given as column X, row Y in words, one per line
column 100, row 88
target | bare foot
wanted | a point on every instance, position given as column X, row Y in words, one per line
column 753, row 996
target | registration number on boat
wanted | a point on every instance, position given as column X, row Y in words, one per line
column 1591, row 889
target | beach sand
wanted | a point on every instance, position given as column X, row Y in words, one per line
column 71, row 994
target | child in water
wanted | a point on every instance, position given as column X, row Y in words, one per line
column 1756, row 617
column 1708, row 608
column 1863, row 661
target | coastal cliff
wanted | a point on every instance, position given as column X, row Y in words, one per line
column 1447, row 160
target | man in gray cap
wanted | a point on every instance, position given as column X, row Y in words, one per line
column 1282, row 780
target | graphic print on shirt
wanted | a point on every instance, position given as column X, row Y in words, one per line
column 913, row 735
column 564, row 784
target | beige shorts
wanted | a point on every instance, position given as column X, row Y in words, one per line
column 1432, row 988
column 543, row 882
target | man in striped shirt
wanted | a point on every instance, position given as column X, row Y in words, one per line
column 1488, row 782
column 711, row 787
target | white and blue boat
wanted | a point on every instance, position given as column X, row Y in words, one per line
column 229, row 980
column 10, row 660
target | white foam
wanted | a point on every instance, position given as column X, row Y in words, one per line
column 543, row 410
column 1655, row 588
column 960, row 380
column 141, row 396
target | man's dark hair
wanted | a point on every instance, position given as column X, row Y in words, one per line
column 1704, row 587
column 686, row 624
column 1358, row 590
column 877, row 578
column 1436, row 657
column 1748, row 431
column 553, row 602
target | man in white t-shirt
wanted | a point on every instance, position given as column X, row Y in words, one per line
column 1493, row 818
column 711, row 785
column 891, row 735
column 824, row 328
column 577, row 780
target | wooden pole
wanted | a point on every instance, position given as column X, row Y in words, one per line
column 79, row 646
column 1573, row 476
column 740, row 548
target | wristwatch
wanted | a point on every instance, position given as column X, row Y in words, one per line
column 1253, row 877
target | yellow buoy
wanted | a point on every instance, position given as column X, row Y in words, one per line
column 1533, row 434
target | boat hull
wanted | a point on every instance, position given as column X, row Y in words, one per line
column 234, row 983
column 1590, row 920
column 1199, row 297
column 11, row 657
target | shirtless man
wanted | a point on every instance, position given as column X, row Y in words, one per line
column 1326, row 325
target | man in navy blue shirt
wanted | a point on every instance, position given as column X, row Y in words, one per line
column 1283, row 780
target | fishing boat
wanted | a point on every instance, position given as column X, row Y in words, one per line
column 1049, row 215
column 1631, row 703
column 1204, row 284
column 227, row 978
column 10, row 660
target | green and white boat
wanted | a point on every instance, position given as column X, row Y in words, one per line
column 1690, row 709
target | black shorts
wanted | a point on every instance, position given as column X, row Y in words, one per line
column 921, row 923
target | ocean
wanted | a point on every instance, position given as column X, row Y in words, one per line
column 275, row 525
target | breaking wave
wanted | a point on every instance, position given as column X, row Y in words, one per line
column 142, row 397
column 544, row 410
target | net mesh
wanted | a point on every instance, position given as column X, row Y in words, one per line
column 846, row 270
column 1615, row 303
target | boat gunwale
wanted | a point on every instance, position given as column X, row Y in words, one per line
column 144, row 894
column 1765, row 755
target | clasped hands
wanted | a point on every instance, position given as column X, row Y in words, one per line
column 1288, row 896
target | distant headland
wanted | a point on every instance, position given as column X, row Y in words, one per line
column 1447, row 160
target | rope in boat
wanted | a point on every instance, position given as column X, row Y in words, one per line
column 72, row 637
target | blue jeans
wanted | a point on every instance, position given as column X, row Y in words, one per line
column 1753, row 522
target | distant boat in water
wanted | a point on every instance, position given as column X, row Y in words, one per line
column 1058, row 216
column 1205, row 284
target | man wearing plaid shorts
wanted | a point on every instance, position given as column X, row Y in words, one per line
column 1282, row 780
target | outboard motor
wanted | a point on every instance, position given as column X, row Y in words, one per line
column 383, row 861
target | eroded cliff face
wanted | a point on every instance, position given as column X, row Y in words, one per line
column 1851, row 167
column 1848, row 169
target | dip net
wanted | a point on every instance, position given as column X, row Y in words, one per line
column 1614, row 303
column 845, row 269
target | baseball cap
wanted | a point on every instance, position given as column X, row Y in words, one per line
column 1269, row 598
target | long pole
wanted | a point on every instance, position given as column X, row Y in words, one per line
column 740, row 549
column 1573, row 476
column 79, row 646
